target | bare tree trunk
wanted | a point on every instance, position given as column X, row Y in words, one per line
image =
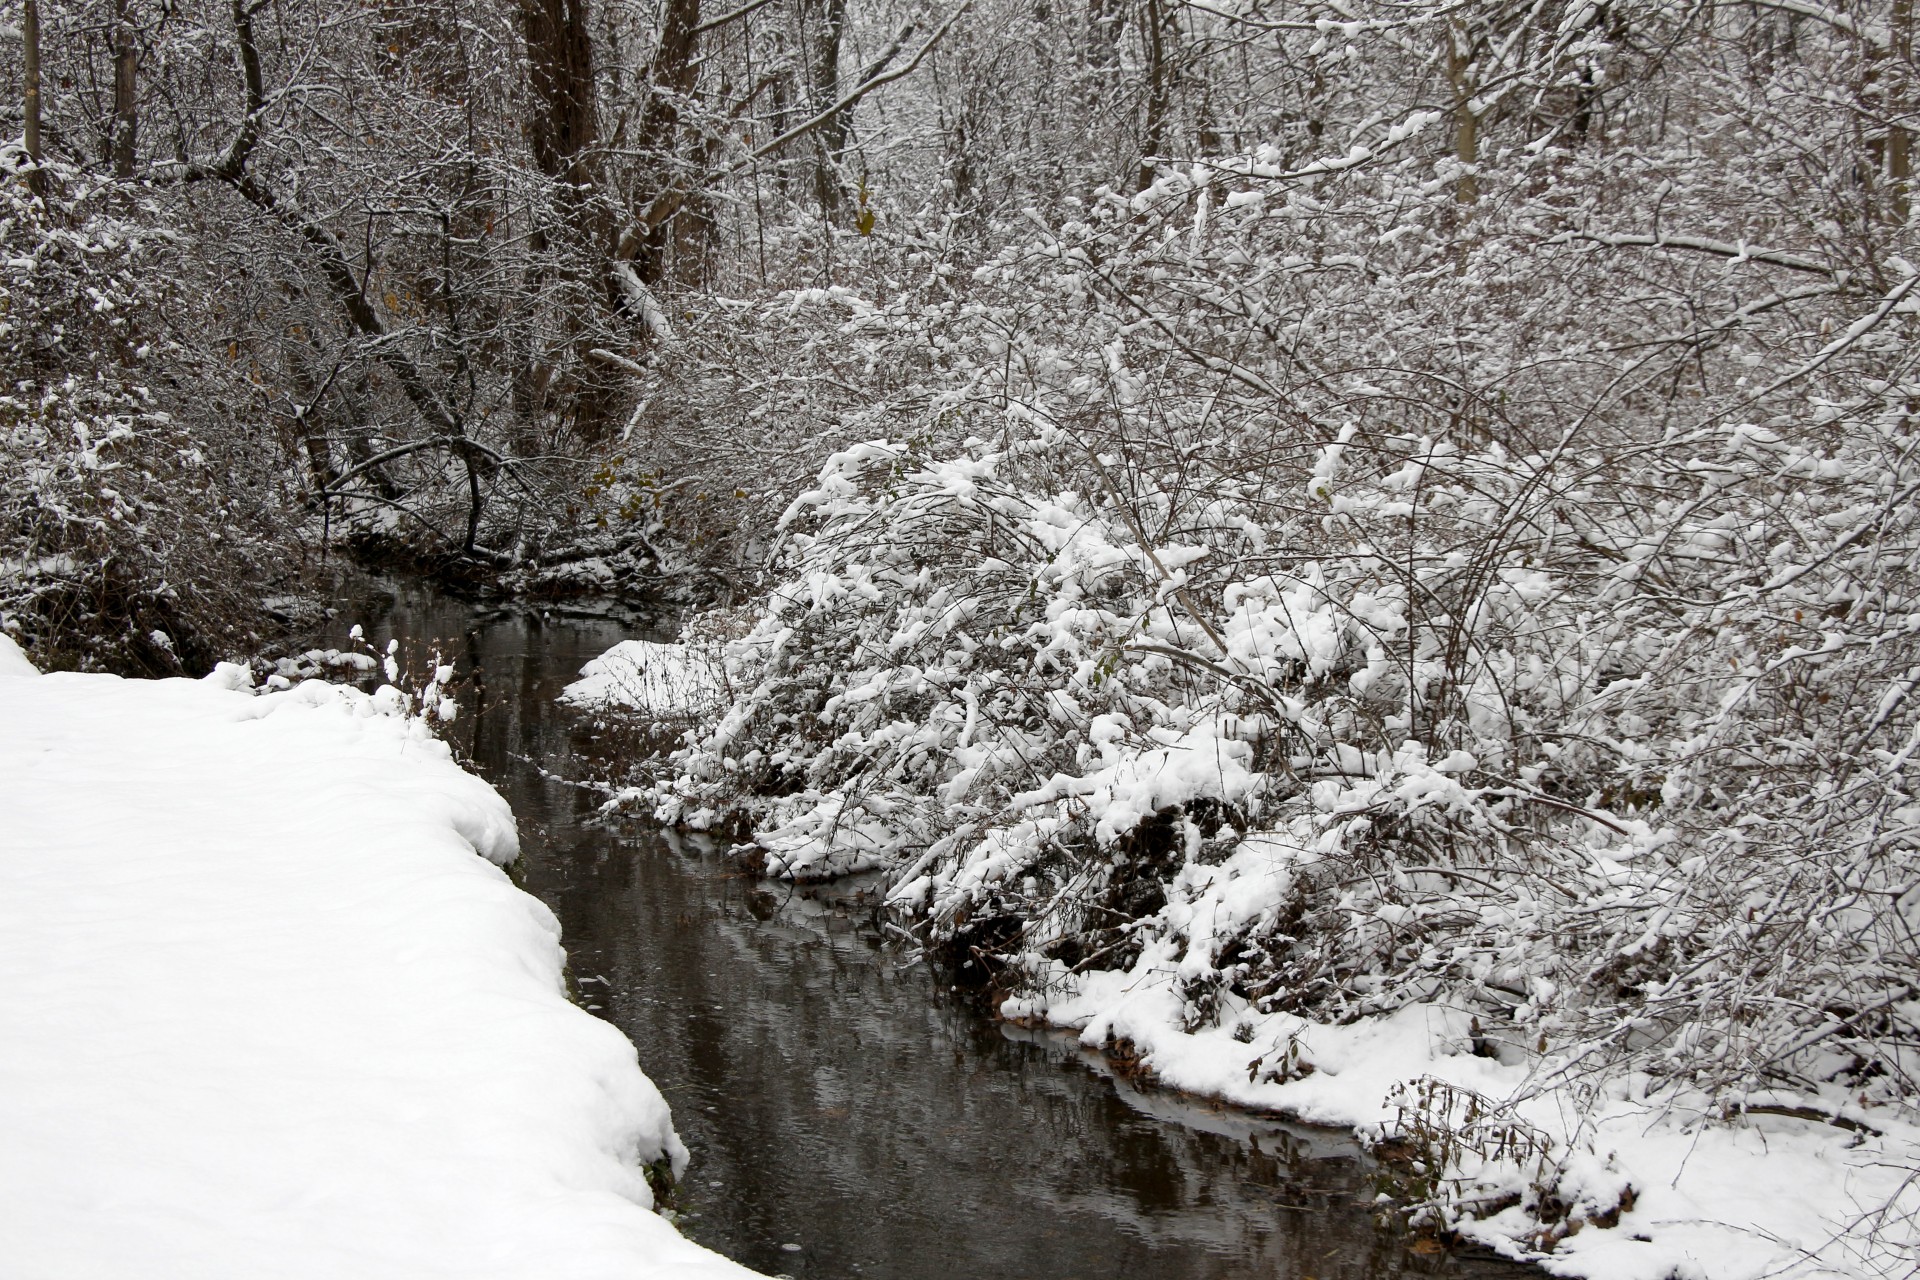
column 1899, row 142
column 785, row 99
column 671, row 74
column 560, row 57
column 1466, row 125
column 125, row 61
column 30, row 104
column 309, row 429
column 831, row 139
column 1159, row 91
column 562, row 131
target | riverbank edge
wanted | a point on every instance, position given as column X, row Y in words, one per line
column 219, row 792
column 1475, row 1151
column 1645, row 1188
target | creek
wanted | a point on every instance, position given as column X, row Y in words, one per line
column 847, row 1116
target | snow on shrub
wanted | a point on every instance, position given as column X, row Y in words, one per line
column 120, row 547
column 650, row 677
column 979, row 677
column 1419, row 622
column 1606, row 822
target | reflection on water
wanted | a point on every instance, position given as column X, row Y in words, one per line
column 845, row 1117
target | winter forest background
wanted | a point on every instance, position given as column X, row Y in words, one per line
column 1468, row 447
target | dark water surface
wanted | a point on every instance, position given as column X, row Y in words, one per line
column 846, row 1117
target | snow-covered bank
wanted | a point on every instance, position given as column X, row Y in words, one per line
column 264, row 1012
column 1652, row 1184
column 1592, row 884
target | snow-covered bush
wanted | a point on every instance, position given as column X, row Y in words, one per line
column 1066, row 740
column 121, row 545
column 1544, row 726
column 1588, row 796
column 1312, row 597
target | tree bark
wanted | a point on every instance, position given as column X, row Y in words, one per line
column 1105, row 18
column 670, row 76
column 30, row 103
column 1899, row 141
column 1159, row 90
column 1466, row 125
column 563, row 131
column 564, row 124
column 125, row 66
column 831, row 139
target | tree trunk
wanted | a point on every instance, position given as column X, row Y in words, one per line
column 831, row 139
column 1466, row 125
column 564, row 123
column 1104, row 21
column 1159, row 91
column 670, row 76
column 30, row 104
column 1899, row 141
column 562, row 131
column 125, row 63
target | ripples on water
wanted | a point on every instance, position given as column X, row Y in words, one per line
column 837, row 1100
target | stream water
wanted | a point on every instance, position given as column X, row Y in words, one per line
column 846, row 1117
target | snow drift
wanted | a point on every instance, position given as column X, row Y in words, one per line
column 267, row 1013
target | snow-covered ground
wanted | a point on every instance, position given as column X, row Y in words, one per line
column 1767, row 1196
column 264, row 1012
